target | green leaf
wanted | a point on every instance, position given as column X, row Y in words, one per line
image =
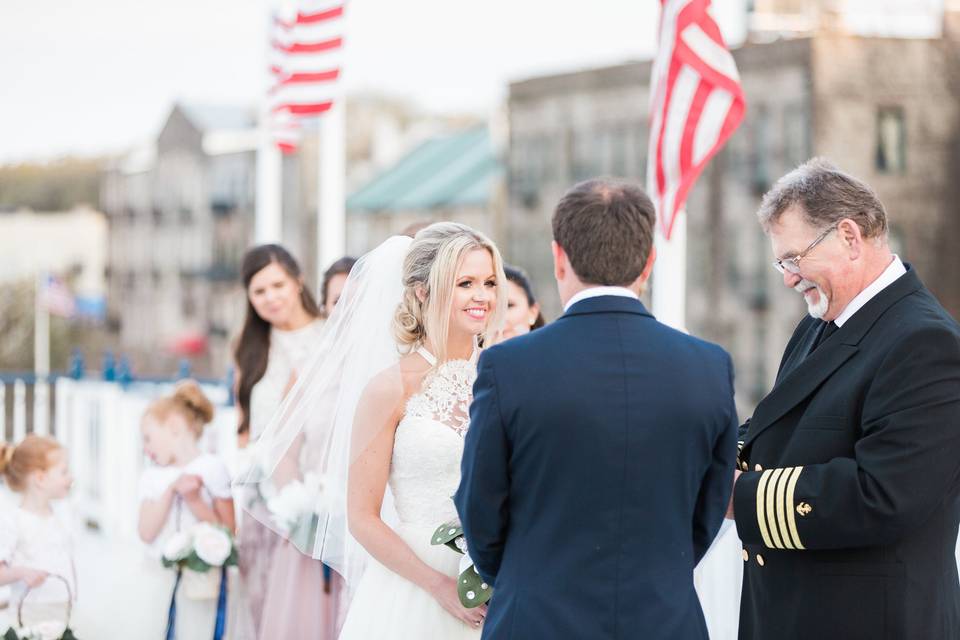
column 11, row 635
column 471, row 588
column 68, row 635
column 194, row 563
column 233, row 559
column 447, row 533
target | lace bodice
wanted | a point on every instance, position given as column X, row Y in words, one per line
column 289, row 351
column 428, row 445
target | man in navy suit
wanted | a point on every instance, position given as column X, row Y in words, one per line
column 600, row 455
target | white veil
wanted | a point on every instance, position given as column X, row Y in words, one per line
column 312, row 430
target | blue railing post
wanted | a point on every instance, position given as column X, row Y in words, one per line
column 109, row 367
column 124, row 372
column 76, row 364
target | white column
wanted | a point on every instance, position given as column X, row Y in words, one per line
column 3, row 410
column 331, row 222
column 670, row 276
column 19, row 411
column 268, row 226
column 41, row 331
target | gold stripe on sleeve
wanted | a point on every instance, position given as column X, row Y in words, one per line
column 771, row 511
column 781, row 506
column 761, row 512
column 791, row 518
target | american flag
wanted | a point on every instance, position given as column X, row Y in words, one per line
column 696, row 103
column 306, row 55
column 55, row 297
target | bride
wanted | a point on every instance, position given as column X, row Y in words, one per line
column 386, row 428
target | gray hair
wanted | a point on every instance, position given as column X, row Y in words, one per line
column 825, row 195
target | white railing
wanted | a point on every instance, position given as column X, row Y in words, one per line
column 40, row 413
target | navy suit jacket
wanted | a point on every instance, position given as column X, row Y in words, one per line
column 596, row 473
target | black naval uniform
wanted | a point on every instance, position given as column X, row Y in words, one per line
column 848, row 503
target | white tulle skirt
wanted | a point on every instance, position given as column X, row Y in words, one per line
column 719, row 579
column 386, row 605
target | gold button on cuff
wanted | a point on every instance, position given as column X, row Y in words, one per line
column 760, row 560
column 744, row 466
column 746, row 555
column 758, row 468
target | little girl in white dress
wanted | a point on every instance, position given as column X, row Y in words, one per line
column 36, row 539
column 184, row 487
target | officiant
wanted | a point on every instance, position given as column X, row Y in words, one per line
column 848, row 500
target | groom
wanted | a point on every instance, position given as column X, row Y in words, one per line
column 600, row 454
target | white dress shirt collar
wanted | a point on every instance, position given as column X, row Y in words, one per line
column 596, row 292
column 893, row 271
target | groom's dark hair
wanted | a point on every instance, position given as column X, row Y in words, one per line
column 605, row 227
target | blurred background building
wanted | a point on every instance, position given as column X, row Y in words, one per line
column 181, row 216
column 456, row 176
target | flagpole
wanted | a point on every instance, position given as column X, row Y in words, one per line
column 268, row 220
column 41, row 330
column 670, row 275
column 331, row 222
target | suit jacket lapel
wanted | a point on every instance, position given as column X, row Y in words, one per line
column 796, row 384
column 800, row 350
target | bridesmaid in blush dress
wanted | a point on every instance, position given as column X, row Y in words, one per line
column 283, row 322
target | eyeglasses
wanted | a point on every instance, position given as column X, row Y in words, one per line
column 793, row 264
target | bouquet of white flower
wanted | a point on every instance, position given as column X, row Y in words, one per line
column 50, row 630
column 296, row 509
column 195, row 553
column 471, row 588
column 46, row 630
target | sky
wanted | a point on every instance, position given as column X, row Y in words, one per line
column 100, row 76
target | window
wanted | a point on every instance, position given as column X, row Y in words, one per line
column 891, row 140
column 796, row 135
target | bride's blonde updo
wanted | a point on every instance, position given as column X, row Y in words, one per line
column 431, row 267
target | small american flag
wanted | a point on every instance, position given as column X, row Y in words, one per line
column 306, row 56
column 55, row 297
column 696, row 103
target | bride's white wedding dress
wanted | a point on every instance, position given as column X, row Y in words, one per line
column 424, row 474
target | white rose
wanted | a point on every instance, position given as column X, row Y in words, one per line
column 292, row 501
column 178, row 546
column 212, row 544
column 51, row 630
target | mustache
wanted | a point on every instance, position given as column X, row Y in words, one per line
column 803, row 285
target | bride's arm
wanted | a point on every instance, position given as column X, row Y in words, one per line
column 378, row 413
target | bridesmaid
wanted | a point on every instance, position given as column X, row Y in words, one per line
column 299, row 597
column 283, row 320
column 333, row 280
column 523, row 311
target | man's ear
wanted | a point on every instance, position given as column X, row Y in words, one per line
column 851, row 237
column 560, row 265
column 648, row 268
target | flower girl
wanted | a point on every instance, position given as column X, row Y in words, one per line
column 183, row 488
column 36, row 546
